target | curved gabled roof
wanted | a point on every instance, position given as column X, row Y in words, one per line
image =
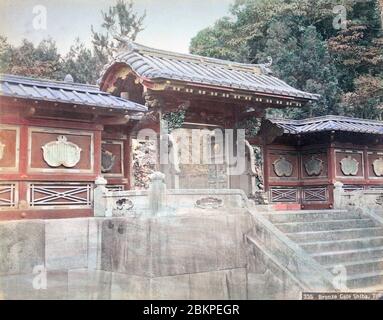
column 64, row 92
column 149, row 63
column 329, row 123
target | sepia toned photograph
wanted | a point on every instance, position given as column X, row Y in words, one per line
column 183, row 150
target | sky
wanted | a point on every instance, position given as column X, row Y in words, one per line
column 169, row 24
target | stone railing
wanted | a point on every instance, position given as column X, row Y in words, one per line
column 290, row 264
column 369, row 201
column 158, row 200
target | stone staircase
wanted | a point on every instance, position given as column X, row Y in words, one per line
column 338, row 240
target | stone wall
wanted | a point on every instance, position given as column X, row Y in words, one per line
column 200, row 254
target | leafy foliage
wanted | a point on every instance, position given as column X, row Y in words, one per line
column 251, row 126
column 80, row 63
column 343, row 66
column 174, row 119
column 120, row 24
column 41, row 61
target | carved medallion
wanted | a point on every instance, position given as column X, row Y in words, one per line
column 283, row 167
column 379, row 200
column 107, row 161
column 2, row 150
column 124, row 204
column 378, row 166
column 61, row 153
column 349, row 166
column 209, row 203
column 314, row 166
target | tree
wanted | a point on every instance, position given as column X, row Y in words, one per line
column 120, row 23
column 366, row 101
column 80, row 63
column 301, row 58
column 28, row 60
column 220, row 41
column 5, row 54
column 307, row 51
column 358, row 54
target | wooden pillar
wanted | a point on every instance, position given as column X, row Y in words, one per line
column 265, row 167
column 331, row 171
column 127, row 156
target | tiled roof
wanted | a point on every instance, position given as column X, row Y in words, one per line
column 329, row 123
column 153, row 64
column 64, row 92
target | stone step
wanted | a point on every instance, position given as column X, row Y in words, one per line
column 365, row 280
column 345, row 256
column 311, row 215
column 343, row 234
column 357, row 267
column 291, row 227
column 339, row 245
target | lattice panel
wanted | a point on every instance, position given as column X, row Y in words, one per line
column 72, row 195
column 7, row 195
column 283, row 195
column 314, row 194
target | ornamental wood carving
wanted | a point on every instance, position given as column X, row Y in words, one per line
column 378, row 166
column 2, row 150
column 108, row 160
column 349, row 166
column 283, row 167
column 61, row 153
column 314, row 166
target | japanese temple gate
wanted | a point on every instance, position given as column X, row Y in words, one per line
column 57, row 137
column 200, row 93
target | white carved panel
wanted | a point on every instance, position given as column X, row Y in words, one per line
column 59, row 162
column 61, row 153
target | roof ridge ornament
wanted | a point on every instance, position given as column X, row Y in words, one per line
column 265, row 67
column 68, row 78
column 269, row 62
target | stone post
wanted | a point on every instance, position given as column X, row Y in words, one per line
column 157, row 192
column 338, row 193
column 99, row 197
